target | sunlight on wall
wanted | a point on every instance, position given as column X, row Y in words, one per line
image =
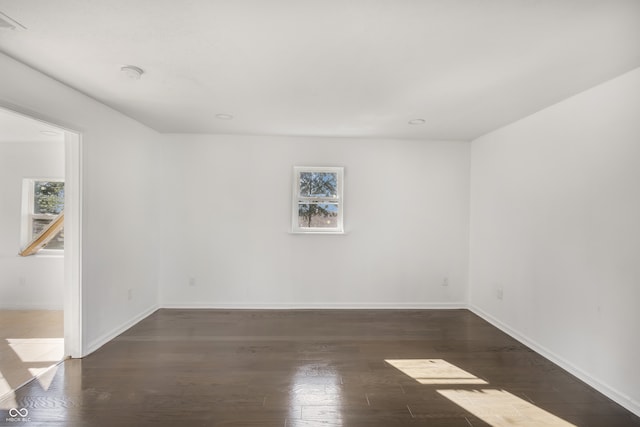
column 434, row 371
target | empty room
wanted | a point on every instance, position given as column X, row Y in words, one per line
column 321, row 213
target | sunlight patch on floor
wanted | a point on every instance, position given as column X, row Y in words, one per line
column 434, row 371
column 45, row 376
column 31, row 350
column 500, row 408
column 31, row 341
column 7, row 397
column 8, row 401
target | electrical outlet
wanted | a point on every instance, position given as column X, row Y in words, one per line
column 130, row 294
column 192, row 281
column 499, row 293
column 445, row 281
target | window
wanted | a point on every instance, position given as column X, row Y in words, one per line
column 43, row 201
column 317, row 200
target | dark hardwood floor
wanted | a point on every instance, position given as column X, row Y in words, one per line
column 289, row 368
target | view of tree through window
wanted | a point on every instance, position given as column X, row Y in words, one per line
column 48, row 202
column 318, row 199
column 48, row 197
column 318, row 186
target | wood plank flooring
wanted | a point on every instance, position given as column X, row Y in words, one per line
column 288, row 368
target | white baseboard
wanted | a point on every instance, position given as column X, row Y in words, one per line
column 318, row 306
column 36, row 306
column 602, row 387
column 108, row 336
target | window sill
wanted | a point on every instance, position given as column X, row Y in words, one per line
column 320, row 233
column 50, row 254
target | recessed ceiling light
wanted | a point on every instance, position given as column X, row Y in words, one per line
column 49, row 132
column 417, row 122
column 224, row 116
column 132, row 71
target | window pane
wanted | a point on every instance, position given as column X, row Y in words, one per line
column 57, row 242
column 318, row 215
column 318, row 184
column 48, row 197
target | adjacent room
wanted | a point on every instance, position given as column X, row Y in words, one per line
column 294, row 213
column 32, row 168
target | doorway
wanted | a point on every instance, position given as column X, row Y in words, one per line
column 41, row 295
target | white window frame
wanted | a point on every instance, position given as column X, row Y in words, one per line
column 28, row 215
column 296, row 199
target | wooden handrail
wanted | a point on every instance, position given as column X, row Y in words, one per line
column 45, row 236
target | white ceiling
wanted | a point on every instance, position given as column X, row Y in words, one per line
column 328, row 67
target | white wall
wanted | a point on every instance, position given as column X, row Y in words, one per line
column 227, row 204
column 555, row 223
column 118, row 165
column 34, row 282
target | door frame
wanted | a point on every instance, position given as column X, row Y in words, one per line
column 73, row 301
column 73, row 331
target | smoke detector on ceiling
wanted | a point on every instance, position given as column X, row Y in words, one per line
column 7, row 23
